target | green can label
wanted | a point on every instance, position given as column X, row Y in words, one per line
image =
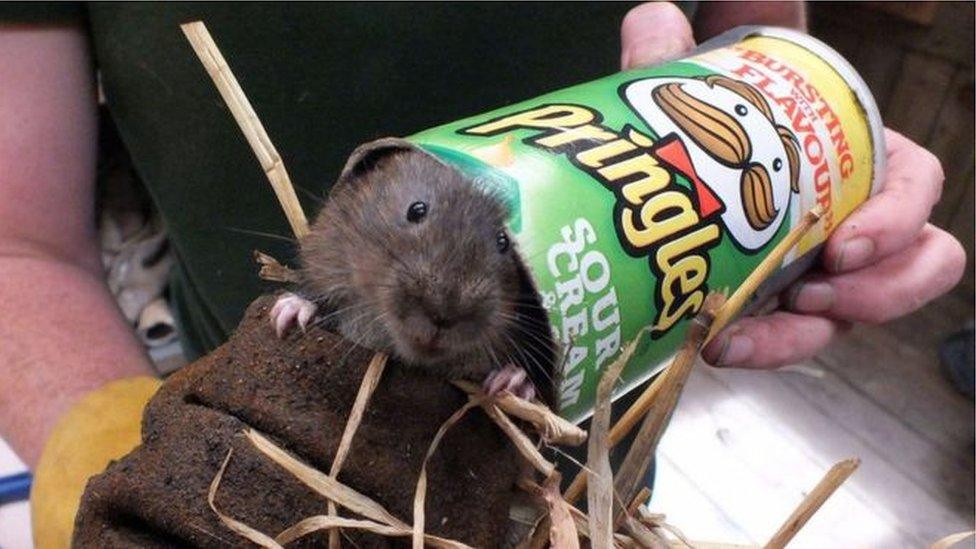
column 633, row 196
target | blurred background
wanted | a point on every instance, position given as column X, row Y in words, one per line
column 745, row 447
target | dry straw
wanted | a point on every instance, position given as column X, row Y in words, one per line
column 631, row 473
column 823, row 490
column 599, row 497
column 213, row 61
column 651, row 398
column 563, row 532
column 273, row 271
column 552, row 428
column 763, row 271
column 378, row 520
column 236, row 526
column 522, row 443
column 370, row 380
column 420, row 493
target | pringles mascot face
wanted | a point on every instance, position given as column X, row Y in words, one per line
column 722, row 135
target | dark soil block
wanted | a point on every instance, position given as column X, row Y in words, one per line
column 297, row 391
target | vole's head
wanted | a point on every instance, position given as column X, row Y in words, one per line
column 416, row 260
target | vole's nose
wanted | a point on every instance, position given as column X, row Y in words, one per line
column 440, row 317
column 441, row 321
column 445, row 311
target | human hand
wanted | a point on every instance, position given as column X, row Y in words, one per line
column 884, row 261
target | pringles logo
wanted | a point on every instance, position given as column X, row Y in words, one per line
column 748, row 162
column 737, row 174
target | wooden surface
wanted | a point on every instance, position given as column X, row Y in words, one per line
column 745, row 446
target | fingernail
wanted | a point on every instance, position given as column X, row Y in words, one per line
column 737, row 351
column 731, row 350
column 854, row 253
column 656, row 51
column 812, row 297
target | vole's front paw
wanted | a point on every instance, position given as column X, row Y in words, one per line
column 511, row 378
column 289, row 309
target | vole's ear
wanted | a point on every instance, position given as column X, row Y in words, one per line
column 367, row 156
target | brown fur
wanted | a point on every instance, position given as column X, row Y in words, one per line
column 392, row 284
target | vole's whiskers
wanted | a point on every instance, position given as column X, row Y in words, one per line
column 260, row 233
column 365, row 333
column 544, row 344
column 486, row 348
column 346, row 324
column 310, row 195
column 527, row 359
column 523, row 319
column 526, row 326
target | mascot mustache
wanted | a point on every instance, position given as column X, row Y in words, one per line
column 722, row 136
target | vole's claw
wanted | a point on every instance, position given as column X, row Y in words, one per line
column 291, row 308
column 510, row 378
column 305, row 314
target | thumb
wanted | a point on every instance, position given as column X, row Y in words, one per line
column 653, row 33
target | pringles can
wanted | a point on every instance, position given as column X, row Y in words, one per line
column 633, row 196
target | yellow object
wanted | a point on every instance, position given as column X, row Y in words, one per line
column 102, row 426
column 824, row 93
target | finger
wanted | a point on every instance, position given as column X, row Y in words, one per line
column 771, row 341
column 652, row 33
column 515, row 379
column 492, row 383
column 895, row 286
column 278, row 306
column 889, row 221
column 491, row 376
column 284, row 320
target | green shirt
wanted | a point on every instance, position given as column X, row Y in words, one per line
column 323, row 78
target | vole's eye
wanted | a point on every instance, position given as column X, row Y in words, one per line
column 741, row 110
column 501, row 240
column 416, row 212
column 777, row 165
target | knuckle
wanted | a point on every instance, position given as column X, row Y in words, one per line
column 878, row 314
column 952, row 254
column 868, row 304
column 935, row 173
column 934, row 165
column 869, row 308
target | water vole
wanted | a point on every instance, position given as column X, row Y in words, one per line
column 410, row 257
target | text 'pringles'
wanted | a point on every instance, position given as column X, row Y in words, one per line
column 653, row 216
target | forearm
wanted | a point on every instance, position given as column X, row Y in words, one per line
column 62, row 335
column 714, row 18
